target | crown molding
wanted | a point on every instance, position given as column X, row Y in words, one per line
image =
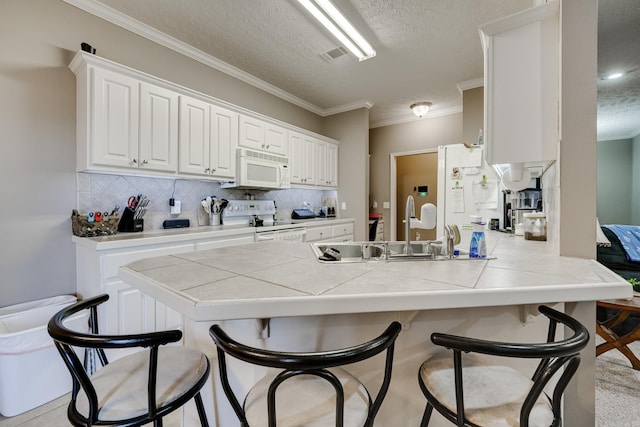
column 121, row 20
column 363, row 103
column 470, row 84
column 413, row 118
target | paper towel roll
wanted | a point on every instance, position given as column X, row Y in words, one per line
column 516, row 177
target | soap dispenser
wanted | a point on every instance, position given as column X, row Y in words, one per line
column 478, row 247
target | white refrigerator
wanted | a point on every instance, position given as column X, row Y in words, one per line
column 467, row 186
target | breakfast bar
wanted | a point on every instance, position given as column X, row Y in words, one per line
column 278, row 295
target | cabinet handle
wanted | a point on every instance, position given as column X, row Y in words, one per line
column 207, row 170
column 144, row 162
column 213, row 170
column 134, row 161
column 267, row 147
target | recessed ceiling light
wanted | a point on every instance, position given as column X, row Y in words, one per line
column 613, row 76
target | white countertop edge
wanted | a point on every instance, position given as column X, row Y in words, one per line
column 367, row 303
column 152, row 237
column 415, row 301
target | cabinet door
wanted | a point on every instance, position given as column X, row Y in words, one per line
column 223, row 142
column 332, row 165
column 194, row 136
column 522, row 86
column 276, row 139
column 327, row 161
column 251, row 133
column 303, row 157
column 158, row 129
column 296, row 157
column 321, row 161
column 114, row 114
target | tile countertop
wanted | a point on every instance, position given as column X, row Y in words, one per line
column 281, row 279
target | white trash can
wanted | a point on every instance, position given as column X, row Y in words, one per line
column 32, row 372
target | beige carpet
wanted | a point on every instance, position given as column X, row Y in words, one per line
column 617, row 389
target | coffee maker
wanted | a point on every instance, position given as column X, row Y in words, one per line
column 517, row 203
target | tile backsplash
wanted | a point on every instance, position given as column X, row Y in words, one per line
column 102, row 192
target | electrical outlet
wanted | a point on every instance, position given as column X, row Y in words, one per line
column 344, row 206
column 175, row 209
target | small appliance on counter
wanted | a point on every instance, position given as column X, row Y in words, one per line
column 302, row 214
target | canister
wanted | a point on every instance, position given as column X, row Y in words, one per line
column 535, row 226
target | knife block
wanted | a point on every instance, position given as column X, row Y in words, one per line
column 128, row 224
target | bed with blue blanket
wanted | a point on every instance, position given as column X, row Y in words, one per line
column 623, row 256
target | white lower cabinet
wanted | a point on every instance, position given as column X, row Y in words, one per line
column 128, row 310
column 342, row 232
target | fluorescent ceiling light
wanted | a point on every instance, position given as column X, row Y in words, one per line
column 347, row 34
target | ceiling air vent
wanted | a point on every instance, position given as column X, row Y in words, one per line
column 334, row 53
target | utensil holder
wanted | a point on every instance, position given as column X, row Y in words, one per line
column 128, row 224
column 215, row 219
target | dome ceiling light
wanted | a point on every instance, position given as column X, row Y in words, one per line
column 420, row 109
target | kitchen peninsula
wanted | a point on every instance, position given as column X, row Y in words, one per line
column 277, row 294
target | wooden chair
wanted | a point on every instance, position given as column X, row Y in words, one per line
column 137, row 389
column 306, row 388
column 471, row 388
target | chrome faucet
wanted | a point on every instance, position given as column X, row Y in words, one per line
column 449, row 240
column 410, row 212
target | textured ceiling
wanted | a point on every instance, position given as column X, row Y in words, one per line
column 424, row 49
column 619, row 50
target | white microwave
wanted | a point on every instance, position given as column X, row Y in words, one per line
column 257, row 169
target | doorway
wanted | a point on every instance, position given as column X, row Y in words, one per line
column 410, row 174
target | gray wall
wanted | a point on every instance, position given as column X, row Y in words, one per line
column 618, row 191
column 635, row 181
column 614, row 190
column 352, row 130
column 38, row 39
column 416, row 135
column 472, row 114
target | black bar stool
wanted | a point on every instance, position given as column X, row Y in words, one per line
column 306, row 388
column 137, row 389
column 470, row 388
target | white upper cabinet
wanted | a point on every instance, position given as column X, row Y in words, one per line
column 131, row 122
column 208, row 139
column 112, row 118
column 261, row 135
column 302, row 154
column 158, row 145
column 194, row 136
column 327, row 161
column 521, row 83
column 223, row 142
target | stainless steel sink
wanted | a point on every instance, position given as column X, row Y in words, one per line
column 348, row 252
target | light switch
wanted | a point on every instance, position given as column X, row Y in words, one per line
column 344, row 206
column 385, row 205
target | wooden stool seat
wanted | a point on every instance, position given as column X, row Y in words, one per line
column 612, row 340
